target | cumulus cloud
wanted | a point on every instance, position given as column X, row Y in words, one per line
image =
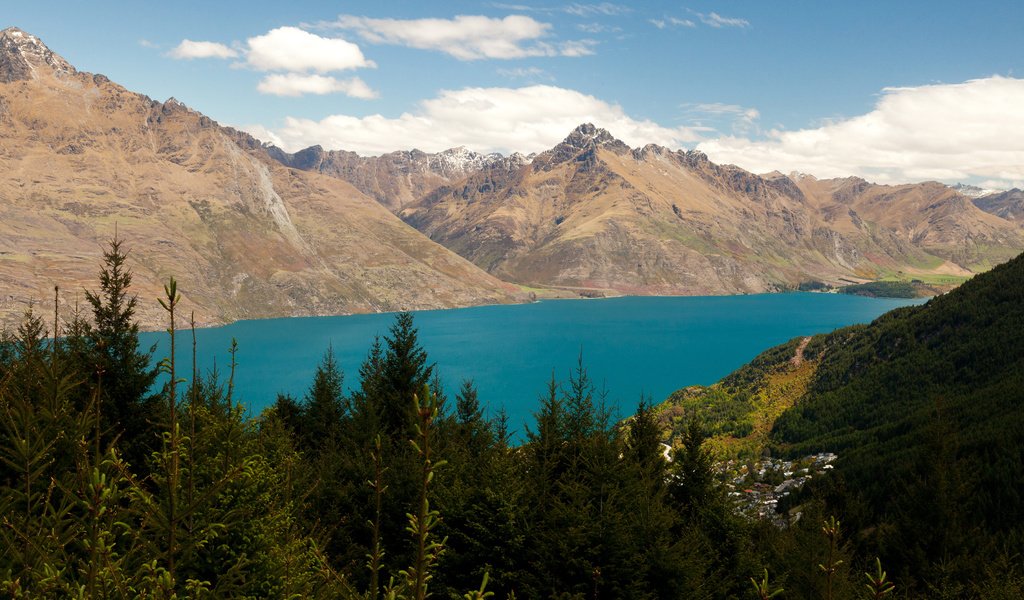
column 304, row 57
column 947, row 132
column 526, row 119
column 189, row 49
column 466, row 37
column 298, row 84
column 718, row 21
column 297, row 50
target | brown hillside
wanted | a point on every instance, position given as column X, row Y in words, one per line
column 245, row 236
column 594, row 213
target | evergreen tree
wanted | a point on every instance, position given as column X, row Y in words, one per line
column 124, row 374
column 693, row 469
column 324, row 406
column 643, row 443
column 404, row 373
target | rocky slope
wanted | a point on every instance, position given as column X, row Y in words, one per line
column 1008, row 205
column 594, row 213
column 245, row 236
column 398, row 178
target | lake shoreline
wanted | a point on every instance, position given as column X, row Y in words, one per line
column 630, row 344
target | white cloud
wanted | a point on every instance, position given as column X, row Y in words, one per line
column 262, row 133
column 604, row 8
column 189, row 49
column 526, row 119
column 297, row 84
column 1001, row 184
column 718, row 21
column 577, row 48
column 148, row 44
column 949, row 132
column 594, row 28
column 673, row 21
column 466, row 37
column 297, row 50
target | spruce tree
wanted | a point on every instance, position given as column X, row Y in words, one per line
column 405, row 372
column 124, row 373
column 324, row 405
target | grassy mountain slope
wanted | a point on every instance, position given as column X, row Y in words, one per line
column 925, row 408
column 738, row 412
column 593, row 213
column 245, row 236
column 883, row 395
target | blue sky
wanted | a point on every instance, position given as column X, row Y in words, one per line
column 893, row 91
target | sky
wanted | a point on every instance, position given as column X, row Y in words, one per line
column 892, row 91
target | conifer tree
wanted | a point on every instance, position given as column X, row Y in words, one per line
column 692, row 465
column 123, row 370
column 324, row 405
column 404, row 372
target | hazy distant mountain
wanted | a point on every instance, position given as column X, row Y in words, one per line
column 398, row 178
column 972, row 191
column 1008, row 205
column 245, row 236
column 595, row 213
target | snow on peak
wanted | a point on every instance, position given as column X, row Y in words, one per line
column 22, row 55
column 461, row 160
column 973, row 191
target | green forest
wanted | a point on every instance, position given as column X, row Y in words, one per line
column 387, row 484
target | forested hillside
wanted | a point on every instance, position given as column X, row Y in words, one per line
column 399, row 486
column 925, row 408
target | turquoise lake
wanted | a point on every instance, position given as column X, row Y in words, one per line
column 630, row 345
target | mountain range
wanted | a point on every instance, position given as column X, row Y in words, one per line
column 593, row 215
column 252, row 231
column 245, row 236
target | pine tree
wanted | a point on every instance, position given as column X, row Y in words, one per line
column 405, row 372
column 693, row 467
column 124, row 373
column 324, row 405
column 643, row 442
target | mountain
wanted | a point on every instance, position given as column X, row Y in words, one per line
column 1008, row 205
column 245, row 236
column 398, row 178
column 593, row 213
column 971, row 191
column 924, row 408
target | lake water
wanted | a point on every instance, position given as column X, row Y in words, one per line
column 631, row 345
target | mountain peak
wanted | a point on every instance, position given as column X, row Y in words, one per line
column 22, row 55
column 973, row 191
column 582, row 142
column 587, row 135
